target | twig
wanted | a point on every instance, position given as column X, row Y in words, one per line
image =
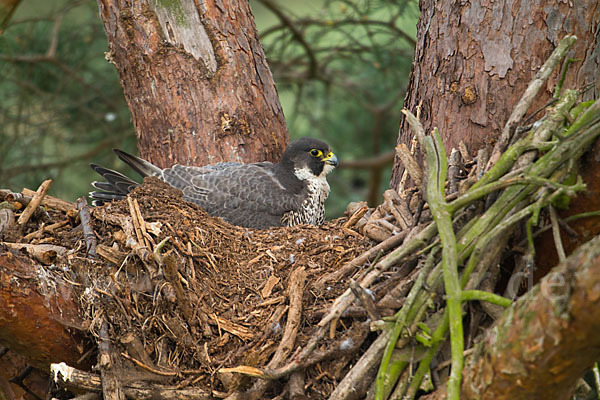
column 297, row 386
column 147, row 367
column 454, row 169
column 43, row 229
column 171, row 275
column 363, row 368
column 355, row 217
column 75, row 378
column 560, row 250
column 366, row 300
column 7, row 219
column 35, row 202
column 596, row 371
column 387, row 244
column 295, row 292
column 111, row 387
column 138, row 221
column 469, row 295
column 49, row 201
column 86, row 223
column 399, row 209
column 44, row 253
column 410, row 164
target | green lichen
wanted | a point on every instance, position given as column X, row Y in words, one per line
column 174, row 7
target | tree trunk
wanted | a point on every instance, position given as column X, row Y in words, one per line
column 196, row 80
column 40, row 317
column 474, row 59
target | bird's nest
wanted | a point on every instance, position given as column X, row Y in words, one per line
column 186, row 300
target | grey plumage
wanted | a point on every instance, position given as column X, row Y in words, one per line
column 258, row 195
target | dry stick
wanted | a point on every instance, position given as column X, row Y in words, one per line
column 138, row 221
column 454, row 170
column 529, row 96
column 410, row 164
column 44, row 253
column 86, row 223
column 399, row 208
column 111, row 387
column 294, row 316
column 51, row 202
column 413, row 148
column 74, row 378
column 49, row 228
column 354, row 218
column 171, row 275
column 12, row 197
column 295, row 293
column 560, row 250
column 387, row 244
column 297, row 386
column 148, row 367
column 365, row 366
column 366, row 300
column 35, row 202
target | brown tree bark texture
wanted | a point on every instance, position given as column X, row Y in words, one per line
column 546, row 341
column 473, row 61
column 196, row 80
column 38, row 315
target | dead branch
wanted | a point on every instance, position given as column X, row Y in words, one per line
column 44, row 253
column 390, row 243
column 77, row 379
column 50, row 201
column 109, row 370
column 35, row 202
column 86, row 223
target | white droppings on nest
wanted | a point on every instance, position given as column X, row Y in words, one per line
column 63, row 369
column 346, row 344
column 46, row 282
column 276, row 327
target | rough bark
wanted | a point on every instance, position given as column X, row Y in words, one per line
column 546, row 341
column 473, row 61
column 196, row 80
column 32, row 302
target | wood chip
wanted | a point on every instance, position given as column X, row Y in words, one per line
column 269, row 285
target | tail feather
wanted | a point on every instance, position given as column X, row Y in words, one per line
column 116, row 187
column 143, row 167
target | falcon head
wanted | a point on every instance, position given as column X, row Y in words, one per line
column 309, row 158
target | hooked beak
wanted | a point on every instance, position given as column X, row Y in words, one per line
column 331, row 159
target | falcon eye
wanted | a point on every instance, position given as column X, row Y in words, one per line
column 316, row 153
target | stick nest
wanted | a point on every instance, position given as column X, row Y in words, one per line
column 210, row 296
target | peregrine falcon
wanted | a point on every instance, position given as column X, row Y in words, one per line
column 258, row 195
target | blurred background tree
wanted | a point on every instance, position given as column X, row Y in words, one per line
column 341, row 69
